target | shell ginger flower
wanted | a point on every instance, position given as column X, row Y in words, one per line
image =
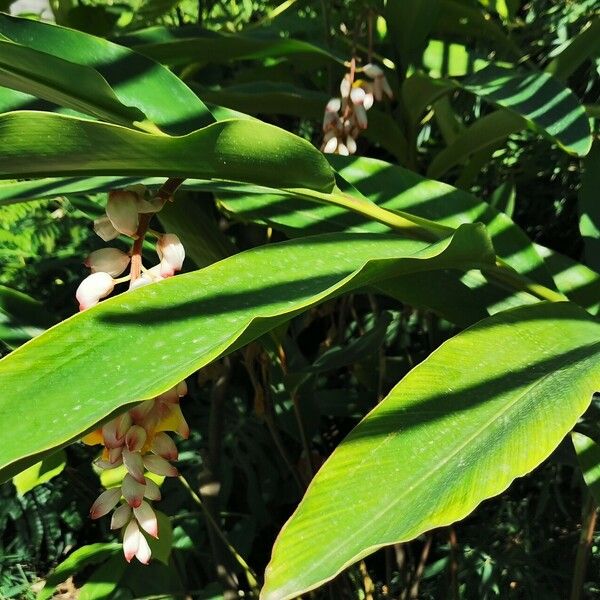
column 138, row 440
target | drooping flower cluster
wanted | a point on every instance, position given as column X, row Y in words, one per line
column 138, row 440
column 346, row 117
column 125, row 210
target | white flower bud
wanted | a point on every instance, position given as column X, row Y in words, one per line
column 122, row 210
column 372, row 71
column 171, row 253
column 361, row 116
column 108, row 260
column 92, row 288
column 345, row 86
column 150, row 276
column 368, row 101
column 104, row 228
column 342, row 150
column 351, row 144
column 330, row 146
column 333, row 106
column 357, row 95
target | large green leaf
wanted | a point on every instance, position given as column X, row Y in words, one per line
column 589, row 207
column 269, row 98
column 512, row 387
column 457, row 18
column 192, row 45
column 140, row 343
column 21, row 317
column 541, row 99
column 62, row 82
column 409, row 23
column 586, row 44
column 487, row 130
column 40, row 144
column 136, row 80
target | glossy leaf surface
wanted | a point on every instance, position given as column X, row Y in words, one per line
column 112, row 356
column 40, row 144
column 541, row 99
column 62, row 82
column 136, row 80
column 513, row 386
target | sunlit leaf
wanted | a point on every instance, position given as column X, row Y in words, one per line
column 512, row 388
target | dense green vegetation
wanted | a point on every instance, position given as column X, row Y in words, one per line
column 384, row 336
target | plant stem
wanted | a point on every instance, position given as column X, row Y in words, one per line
column 583, row 549
column 250, row 574
column 429, row 231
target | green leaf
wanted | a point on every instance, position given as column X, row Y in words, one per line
column 588, row 456
column 578, row 282
column 65, row 83
column 586, row 44
column 268, row 98
column 21, row 317
column 541, row 99
column 395, row 188
column 41, row 472
column 136, row 80
column 203, row 46
column 161, row 547
column 589, row 207
column 513, row 387
column 41, row 144
column 487, row 130
column 112, row 357
column 409, row 23
column 80, row 558
column 457, row 18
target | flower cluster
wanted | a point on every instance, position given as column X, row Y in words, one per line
column 126, row 210
column 138, row 440
column 346, row 117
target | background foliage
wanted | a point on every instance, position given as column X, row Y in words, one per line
column 259, row 431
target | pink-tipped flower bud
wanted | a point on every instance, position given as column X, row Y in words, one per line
column 105, row 502
column 171, row 253
column 133, row 491
column 122, row 210
column 93, row 288
column 134, row 464
column 135, row 544
column 159, row 466
column 108, row 260
column 146, row 519
column 104, row 228
column 164, row 446
column 121, row 516
column 152, row 491
column 135, row 438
